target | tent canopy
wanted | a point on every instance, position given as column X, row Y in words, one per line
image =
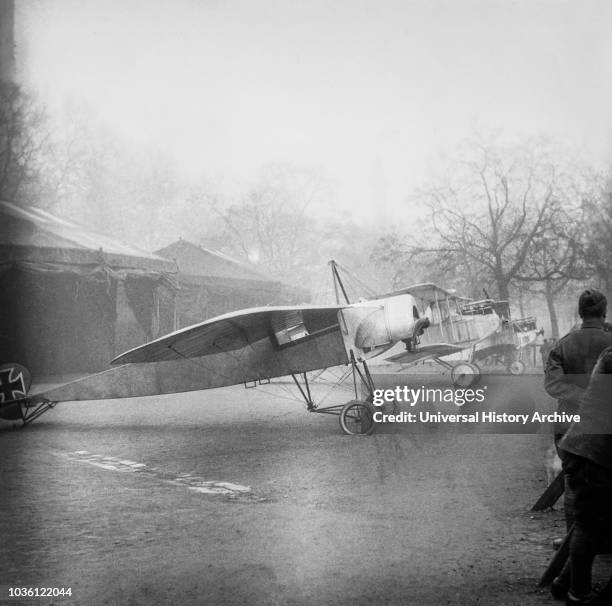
column 72, row 298
column 34, row 235
column 212, row 283
column 197, row 261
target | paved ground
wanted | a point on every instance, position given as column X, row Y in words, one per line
column 114, row 500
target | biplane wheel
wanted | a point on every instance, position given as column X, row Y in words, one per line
column 465, row 374
column 516, row 368
column 357, row 418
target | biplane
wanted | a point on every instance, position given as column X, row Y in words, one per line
column 506, row 346
column 253, row 346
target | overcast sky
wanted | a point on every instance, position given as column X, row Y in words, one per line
column 373, row 91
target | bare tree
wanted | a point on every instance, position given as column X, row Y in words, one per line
column 96, row 177
column 24, row 138
column 274, row 225
column 555, row 258
column 486, row 220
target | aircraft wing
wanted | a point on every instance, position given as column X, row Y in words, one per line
column 426, row 292
column 239, row 347
column 437, row 350
column 281, row 326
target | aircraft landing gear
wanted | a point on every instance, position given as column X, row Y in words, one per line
column 357, row 418
column 465, row 374
column 22, row 410
column 516, row 368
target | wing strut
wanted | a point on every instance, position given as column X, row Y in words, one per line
column 338, row 282
column 24, row 411
column 339, row 287
column 365, row 379
column 305, row 391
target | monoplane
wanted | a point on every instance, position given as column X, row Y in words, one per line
column 253, row 346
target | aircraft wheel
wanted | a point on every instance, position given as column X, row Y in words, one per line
column 478, row 373
column 465, row 374
column 11, row 412
column 357, row 418
column 516, row 368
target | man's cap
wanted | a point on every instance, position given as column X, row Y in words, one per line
column 592, row 303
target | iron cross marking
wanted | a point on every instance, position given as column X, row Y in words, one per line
column 11, row 387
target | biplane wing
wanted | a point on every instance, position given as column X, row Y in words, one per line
column 438, row 350
column 449, row 332
column 426, row 292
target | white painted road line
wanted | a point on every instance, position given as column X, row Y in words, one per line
column 229, row 490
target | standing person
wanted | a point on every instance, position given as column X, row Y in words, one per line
column 586, row 451
column 571, row 361
column 566, row 376
column 545, row 349
column 537, row 345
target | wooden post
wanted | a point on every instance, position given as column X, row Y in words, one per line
column 551, row 495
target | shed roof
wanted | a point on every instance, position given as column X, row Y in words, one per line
column 194, row 260
column 36, row 235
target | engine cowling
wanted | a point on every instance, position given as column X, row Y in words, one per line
column 391, row 321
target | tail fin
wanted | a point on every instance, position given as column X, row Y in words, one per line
column 15, row 381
